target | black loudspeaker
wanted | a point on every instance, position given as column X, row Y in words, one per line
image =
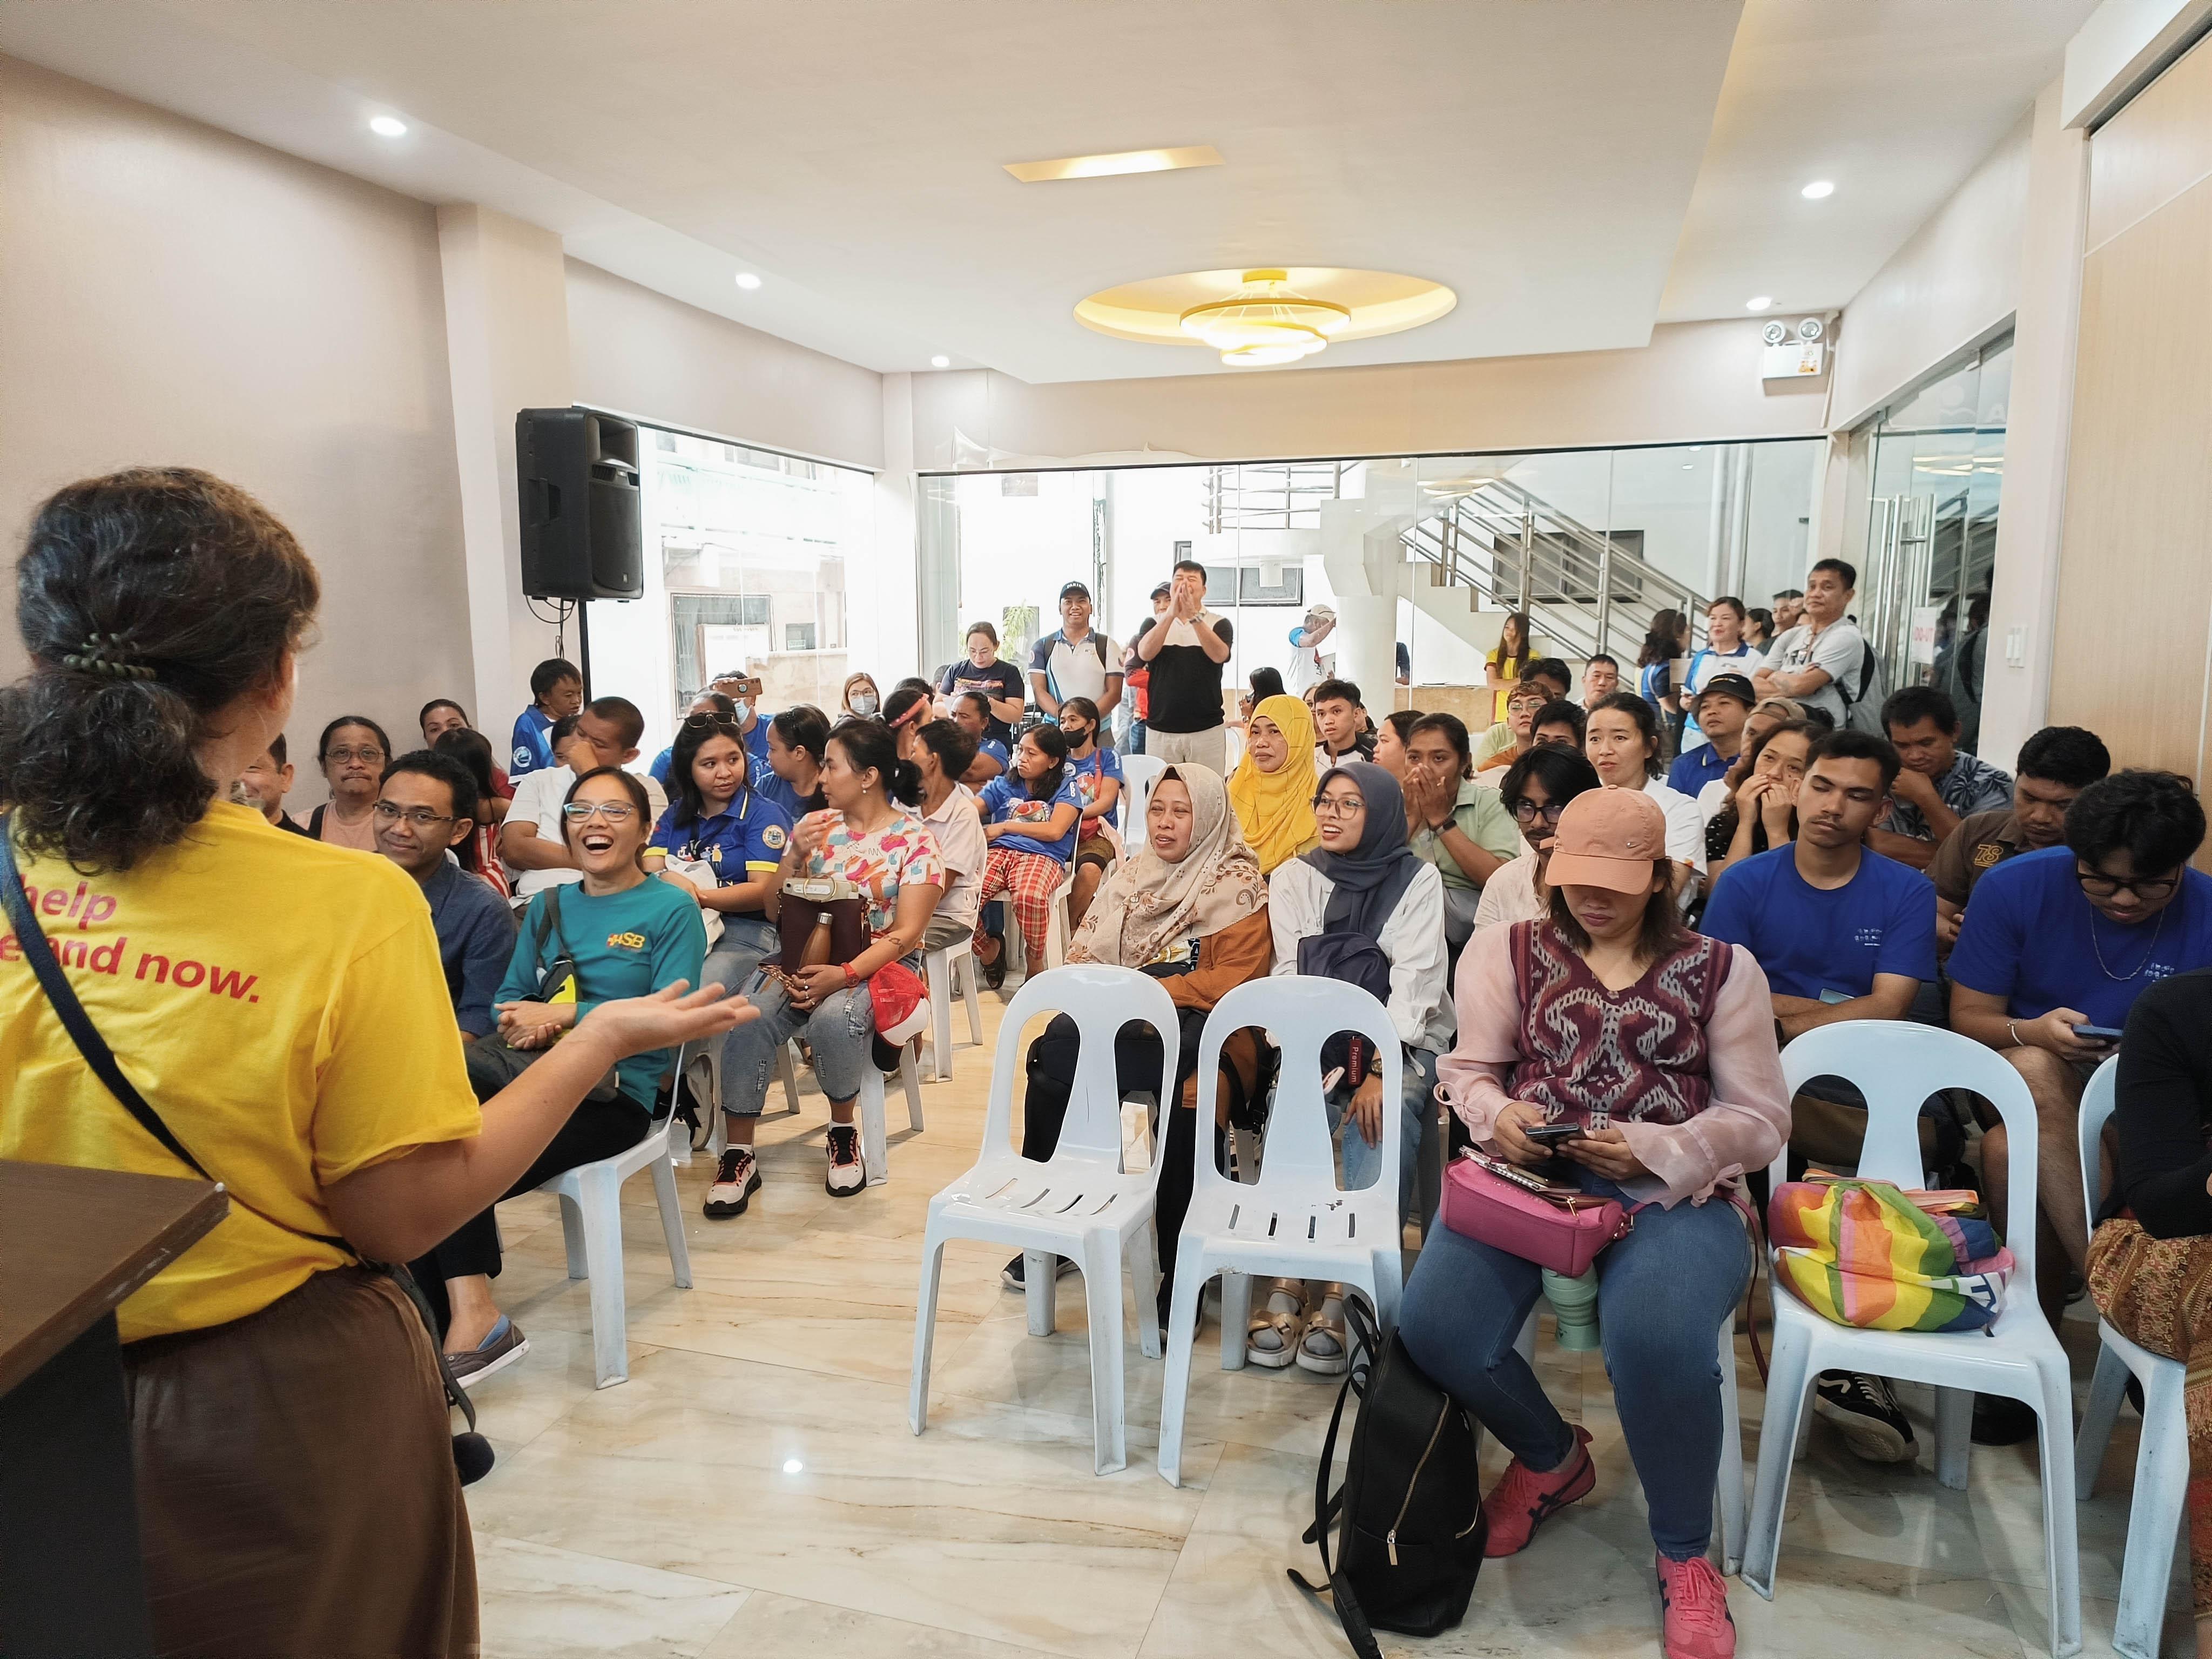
column 582, row 533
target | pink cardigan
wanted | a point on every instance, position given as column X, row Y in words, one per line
column 1742, row 1129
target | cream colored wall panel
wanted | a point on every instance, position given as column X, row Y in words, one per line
column 2156, row 147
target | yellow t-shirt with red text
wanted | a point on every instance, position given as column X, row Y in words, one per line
column 280, row 1004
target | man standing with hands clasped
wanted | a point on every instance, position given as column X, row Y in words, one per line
column 1185, row 650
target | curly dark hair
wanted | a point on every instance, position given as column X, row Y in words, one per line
column 148, row 601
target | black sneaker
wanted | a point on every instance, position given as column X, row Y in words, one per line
column 847, row 1176
column 2001, row 1420
column 736, row 1178
column 994, row 970
column 1868, row 1414
column 1013, row 1279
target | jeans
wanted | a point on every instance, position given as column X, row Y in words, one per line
column 1663, row 1293
column 746, row 942
column 838, row 1030
column 1363, row 1163
column 1136, row 740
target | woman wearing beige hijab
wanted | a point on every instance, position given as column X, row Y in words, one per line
column 1190, row 909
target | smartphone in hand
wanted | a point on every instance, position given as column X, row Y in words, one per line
column 2098, row 1033
column 1551, row 1135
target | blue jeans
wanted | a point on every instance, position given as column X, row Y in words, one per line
column 1663, row 1293
column 746, row 942
column 1363, row 1163
column 838, row 1030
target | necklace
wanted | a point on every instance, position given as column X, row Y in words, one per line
column 2147, row 950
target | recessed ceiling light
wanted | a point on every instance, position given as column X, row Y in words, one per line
column 387, row 126
column 1759, row 302
column 940, row 362
column 1105, row 166
column 1818, row 190
column 747, row 280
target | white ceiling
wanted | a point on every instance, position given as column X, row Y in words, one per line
column 1562, row 166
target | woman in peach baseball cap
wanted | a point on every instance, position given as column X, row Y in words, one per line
column 1656, row 1045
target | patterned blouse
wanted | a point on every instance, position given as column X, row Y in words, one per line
column 904, row 852
column 1638, row 1054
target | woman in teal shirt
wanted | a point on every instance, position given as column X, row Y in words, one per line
column 629, row 936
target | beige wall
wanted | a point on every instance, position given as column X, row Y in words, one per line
column 1695, row 382
column 170, row 294
column 645, row 354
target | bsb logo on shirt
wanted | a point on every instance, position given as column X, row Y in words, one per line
column 625, row 941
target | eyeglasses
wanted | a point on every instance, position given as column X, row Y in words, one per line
column 715, row 722
column 614, row 812
column 422, row 817
column 342, row 755
column 1332, row 806
column 2097, row 886
column 1527, row 811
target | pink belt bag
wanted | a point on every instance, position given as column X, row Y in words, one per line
column 1508, row 1209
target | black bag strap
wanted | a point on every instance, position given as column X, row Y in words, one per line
column 1349, row 1613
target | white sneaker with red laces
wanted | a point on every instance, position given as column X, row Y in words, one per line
column 736, row 1178
column 847, row 1175
column 1695, row 1599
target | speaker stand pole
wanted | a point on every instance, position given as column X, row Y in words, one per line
column 584, row 645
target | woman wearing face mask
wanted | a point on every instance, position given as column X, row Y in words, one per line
column 718, row 821
column 352, row 754
column 1029, row 817
column 1658, row 1045
column 1272, row 790
column 1096, row 771
column 860, row 696
column 1359, row 908
column 1188, row 906
column 1534, row 793
column 1761, row 814
column 1622, row 741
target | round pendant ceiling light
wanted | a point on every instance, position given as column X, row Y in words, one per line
column 1265, row 317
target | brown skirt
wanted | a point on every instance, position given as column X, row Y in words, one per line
column 296, row 1493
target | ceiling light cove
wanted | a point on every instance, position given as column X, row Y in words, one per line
column 1262, row 318
column 1759, row 302
column 747, row 280
column 1818, row 191
column 387, row 126
column 1121, row 161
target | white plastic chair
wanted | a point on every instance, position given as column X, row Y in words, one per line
column 710, row 1049
column 875, row 1147
column 953, row 966
column 1898, row 1066
column 1080, row 1205
column 2156, row 1508
column 1056, row 930
column 1294, row 1221
column 591, row 1224
column 1139, row 773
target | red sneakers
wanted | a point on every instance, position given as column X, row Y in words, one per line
column 1523, row 1499
column 1696, row 1602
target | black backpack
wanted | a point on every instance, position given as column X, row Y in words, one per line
column 1411, row 1505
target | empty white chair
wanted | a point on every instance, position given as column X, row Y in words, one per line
column 1080, row 1204
column 591, row 1224
column 786, row 1067
column 875, row 1148
column 1898, row 1066
column 2155, row 1510
column 1294, row 1221
column 942, row 968
column 1139, row 773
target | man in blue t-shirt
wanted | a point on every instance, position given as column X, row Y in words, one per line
column 2068, row 937
column 556, row 688
column 1843, row 933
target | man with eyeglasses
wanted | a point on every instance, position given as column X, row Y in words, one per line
column 532, row 841
column 2053, row 952
column 423, row 810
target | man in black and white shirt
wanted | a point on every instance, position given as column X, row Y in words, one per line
column 1077, row 661
column 1185, row 650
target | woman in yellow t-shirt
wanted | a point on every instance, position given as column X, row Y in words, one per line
column 1516, row 649
column 279, row 1003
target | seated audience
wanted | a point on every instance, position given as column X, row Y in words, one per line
column 1719, row 708
column 1559, row 725
column 424, row 809
column 2068, row 938
column 2055, row 765
column 1535, row 790
column 870, row 837
column 1842, row 934
column 1761, row 811
column 1458, row 824
column 532, row 840
column 1623, row 741
column 972, row 710
column 910, row 706
column 440, row 715
column 1940, row 783
column 556, row 688
column 627, row 937
column 1527, row 699
column 1547, row 674
column 797, row 753
column 1340, row 718
column 2153, row 1247
column 1271, row 789
column 471, row 751
column 943, row 751
column 1758, row 628
column 1390, row 741
column 1600, row 679
column 707, row 702
column 1096, row 771
column 352, row 754
column 861, row 698
column 265, row 782
column 1030, row 819
column 1190, row 909
column 1768, row 713
column 1676, row 1115
column 719, row 821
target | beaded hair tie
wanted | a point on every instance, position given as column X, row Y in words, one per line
column 107, row 654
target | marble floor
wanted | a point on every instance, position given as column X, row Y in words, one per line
column 753, row 1489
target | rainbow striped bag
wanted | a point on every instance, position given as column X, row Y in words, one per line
column 1865, row 1253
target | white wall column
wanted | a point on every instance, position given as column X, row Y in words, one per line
column 506, row 345
column 1366, row 646
column 889, row 645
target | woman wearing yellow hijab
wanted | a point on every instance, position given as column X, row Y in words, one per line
column 1271, row 791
